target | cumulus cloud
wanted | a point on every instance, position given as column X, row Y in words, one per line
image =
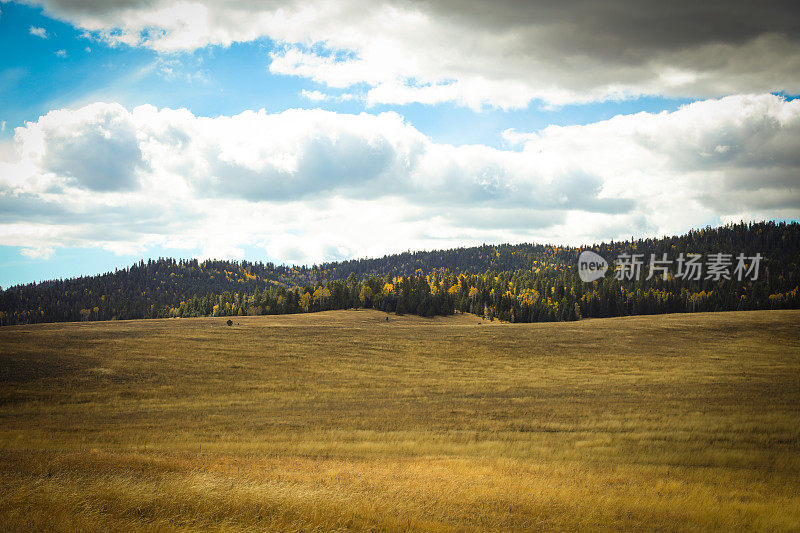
column 93, row 148
column 504, row 53
column 312, row 185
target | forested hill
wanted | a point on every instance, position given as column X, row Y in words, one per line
column 524, row 282
column 778, row 238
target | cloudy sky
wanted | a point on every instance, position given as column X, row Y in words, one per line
column 303, row 132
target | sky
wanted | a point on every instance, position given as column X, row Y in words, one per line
column 304, row 132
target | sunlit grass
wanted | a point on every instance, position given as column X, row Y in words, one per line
column 342, row 420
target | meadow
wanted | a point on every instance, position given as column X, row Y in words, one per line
column 343, row 420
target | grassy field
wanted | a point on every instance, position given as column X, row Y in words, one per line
column 344, row 421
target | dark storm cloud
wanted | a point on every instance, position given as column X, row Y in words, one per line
column 623, row 31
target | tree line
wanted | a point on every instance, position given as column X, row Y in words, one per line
column 516, row 283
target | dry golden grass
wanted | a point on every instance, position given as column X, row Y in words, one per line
column 343, row 421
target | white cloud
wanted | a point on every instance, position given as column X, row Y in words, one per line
column 38, row 253
column 314, row 96
column 61, row 53
column 93, row 148
column 3, row 126
column 475, row 54
column 38, row 32
column 319, row 96
column 313, row 185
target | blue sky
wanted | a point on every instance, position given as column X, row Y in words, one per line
column 449, row 143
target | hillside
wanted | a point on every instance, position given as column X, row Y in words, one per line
column 343, row 421
column 517, row 283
